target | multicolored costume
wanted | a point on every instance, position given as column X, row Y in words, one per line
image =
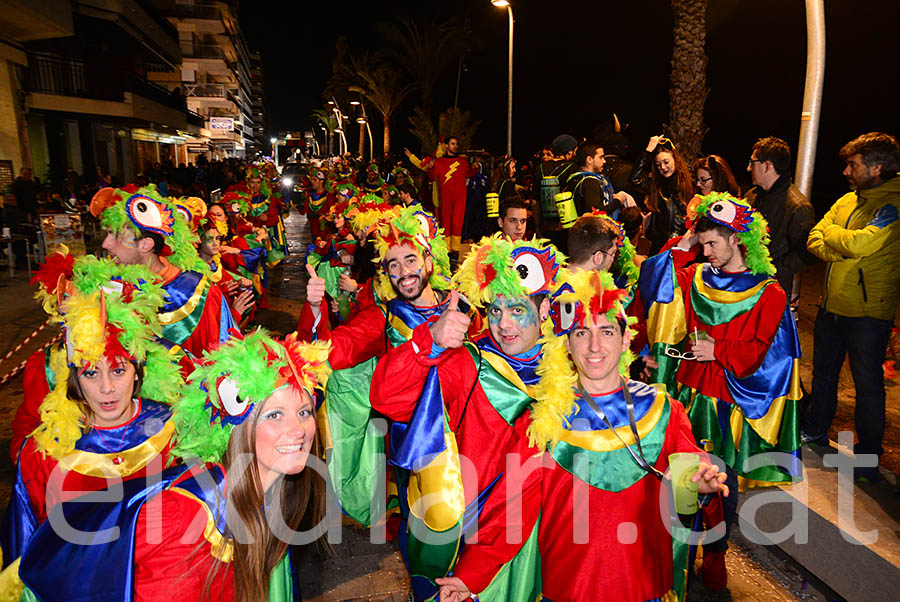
column 220, row 397
column 266, row 209
column 592, row 509
column 743, row 403
column 358, row 343
column 107, row 311
column 463, row 411
column 195, row 315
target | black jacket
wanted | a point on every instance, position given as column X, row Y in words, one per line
column 790, row 216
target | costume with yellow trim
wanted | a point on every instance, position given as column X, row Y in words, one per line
column 107, row 311
column 584, row 458
column 164, row 549
column 366, row 336
column 745, row 401
column 463, row 406
column 195, row 315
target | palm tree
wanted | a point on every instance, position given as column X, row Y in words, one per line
column 424, row 51
column 688, row 90
column 329, row 122
column 381, row 84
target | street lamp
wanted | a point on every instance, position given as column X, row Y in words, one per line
column 505, row 4
column 274, row 150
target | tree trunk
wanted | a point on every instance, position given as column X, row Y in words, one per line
column 687, row 92
column 387, row 134
column 362, row 138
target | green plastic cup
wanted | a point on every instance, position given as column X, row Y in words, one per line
column 683, row 467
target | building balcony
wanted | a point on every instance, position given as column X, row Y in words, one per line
column 204, row 51
column 205, row 90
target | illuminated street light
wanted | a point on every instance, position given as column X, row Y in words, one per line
column 361, row 120
column 273, row 140
column 505, row 4
column 355, row 103
column 287, row 136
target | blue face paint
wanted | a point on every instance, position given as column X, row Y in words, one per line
column 521, row 311
column 416, row 272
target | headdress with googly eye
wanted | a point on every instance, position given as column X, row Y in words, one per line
column 107, row 311
column 750, row 226
column 192, row 209
column 418, row 229
column 580, row 298
column 230, row 381
column 145, row 210
column 498, row 266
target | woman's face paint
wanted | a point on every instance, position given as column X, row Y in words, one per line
column 515, row 324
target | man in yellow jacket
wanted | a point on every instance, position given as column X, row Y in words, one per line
column 859, row 239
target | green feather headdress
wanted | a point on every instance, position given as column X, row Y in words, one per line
column 109, row 205
column 223, row 390
column 498, row 266
column 419, row 230
column 750, row 226
column 106, row 310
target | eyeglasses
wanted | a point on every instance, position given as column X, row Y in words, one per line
column 752, row 160
column 704, row 180
column 673, row 352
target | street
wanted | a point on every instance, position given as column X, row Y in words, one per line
column 359, row 570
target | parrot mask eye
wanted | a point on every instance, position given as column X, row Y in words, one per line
column 151, row 215
column 536, row 269
column 232, row 409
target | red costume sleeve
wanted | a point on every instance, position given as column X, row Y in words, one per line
column 274, row 211
column 742, row 357
column 181, row 561
column 206, row 334
column 28, row 415
column 359, row 339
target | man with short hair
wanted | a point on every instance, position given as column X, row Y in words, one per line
column 469, row 401
column 859, row 238
column 513, row 218
column 407, row 195
column 590, row 189
column 592, row 244
column 549, row 179
column 594, row 495
column 726, row 346
column 450, row 172
column 25, row 190
column 787, row 210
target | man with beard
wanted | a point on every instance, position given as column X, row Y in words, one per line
column 465, row 402
column 411, row 287
column 373, row 182
column 859, row 238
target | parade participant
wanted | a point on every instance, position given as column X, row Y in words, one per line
column 450, row 172
column 400, row 178
column 411, row 286
column 591, row 189
column 317, row 200
column 513, row 218
column 598, row 242
column 249, row 412
column 465, row 406
column 265, row 212
column 549, row 177
column 107, row 415
column 664, row 175
column 373, row 183
column 625, row 430
column 408, row 196
column 140, row 228
column 738, row 376
column 238, row 290
column 333, row 254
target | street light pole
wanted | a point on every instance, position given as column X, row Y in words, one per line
column 812, row 95
column 506, row 4
column 274, row 141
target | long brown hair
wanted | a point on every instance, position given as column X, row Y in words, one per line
column 301, row 496
column 682, row 175
column 723, row 179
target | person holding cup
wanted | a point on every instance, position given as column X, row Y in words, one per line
column 596, row 492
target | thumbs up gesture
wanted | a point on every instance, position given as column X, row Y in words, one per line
column 450, row 329
column 315, row 289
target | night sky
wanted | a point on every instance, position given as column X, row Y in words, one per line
column 577, row 62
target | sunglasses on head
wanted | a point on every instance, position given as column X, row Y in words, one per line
column 666, row 143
